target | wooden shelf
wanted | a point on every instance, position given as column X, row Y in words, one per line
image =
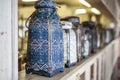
column 23, row 76
column 105, row 59
column 59, row 76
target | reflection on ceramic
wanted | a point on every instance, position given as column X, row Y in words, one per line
column 45, row 41
column 73, row 47
column 65, row 39
column 98, row 40
column 86, row 46
column 108, row 36
column 78, row 44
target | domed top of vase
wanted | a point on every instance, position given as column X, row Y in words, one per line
column 44, row 4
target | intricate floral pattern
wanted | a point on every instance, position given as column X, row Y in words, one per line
column 45, row 41
column 44, row 4
column 73, row 47
column 70, row 41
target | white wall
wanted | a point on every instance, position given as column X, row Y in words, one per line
column 7, row 53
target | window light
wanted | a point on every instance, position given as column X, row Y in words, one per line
column 85, row 3
column 80, row 11
column 28, row 0
column 96, row 11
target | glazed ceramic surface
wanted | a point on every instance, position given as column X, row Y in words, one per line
column 45, row 40
column 65, row 39
column 77, row 28
column 73, row 47
column 70, row 44
column 92, row 34
column 86, row 46
column 85, row 42
column 79, row 37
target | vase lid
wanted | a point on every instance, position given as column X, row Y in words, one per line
column 44, row 4
column 89, row 24
column 72, row 19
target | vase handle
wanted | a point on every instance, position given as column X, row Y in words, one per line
column 26, row 22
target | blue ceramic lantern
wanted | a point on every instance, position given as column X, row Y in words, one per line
column 45, row 40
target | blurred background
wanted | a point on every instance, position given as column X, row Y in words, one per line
column 105, row 13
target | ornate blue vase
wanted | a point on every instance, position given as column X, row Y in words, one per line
column 45, row 40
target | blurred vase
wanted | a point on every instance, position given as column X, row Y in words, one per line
column 91, row 29
column 70, row 48
column 77, row 27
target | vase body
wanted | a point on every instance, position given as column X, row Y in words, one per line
column 45, row 41
column 65, row 40
column 70, row 44
column 85, row 42
column 72, row 57
column 93, row 35
column 77, row 28
column 95, row 39
column 109, row 35
column 98, row 37
column 78, row 39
